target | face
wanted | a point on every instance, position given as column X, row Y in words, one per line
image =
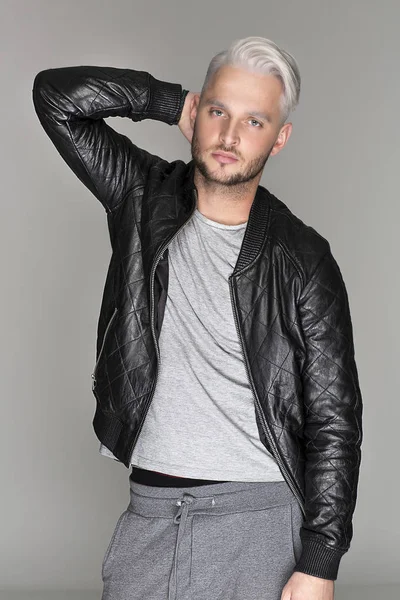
column 238, row 113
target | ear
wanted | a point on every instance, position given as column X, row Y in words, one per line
column 193, row 109
column 282, row 139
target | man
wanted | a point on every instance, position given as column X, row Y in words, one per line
column 225, row 373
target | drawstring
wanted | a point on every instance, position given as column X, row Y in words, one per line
column 179, row 519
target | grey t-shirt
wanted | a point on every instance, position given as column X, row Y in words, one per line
column 201, row 421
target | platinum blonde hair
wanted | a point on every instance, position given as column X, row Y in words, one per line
column 261, row 55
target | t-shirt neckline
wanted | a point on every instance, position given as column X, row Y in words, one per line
column 215, row 224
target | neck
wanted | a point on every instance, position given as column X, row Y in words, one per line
column 225, row 204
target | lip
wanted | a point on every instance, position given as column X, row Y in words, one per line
column 224, row 157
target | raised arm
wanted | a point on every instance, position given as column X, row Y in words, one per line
column 72, row 103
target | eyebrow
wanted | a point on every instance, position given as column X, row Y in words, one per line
column 256, row 113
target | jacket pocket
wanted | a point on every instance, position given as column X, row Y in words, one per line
column 296, row 524
column 102, row 346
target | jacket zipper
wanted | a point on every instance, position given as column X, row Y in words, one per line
column 155, row 263
column 260, row 413
column 102, row 346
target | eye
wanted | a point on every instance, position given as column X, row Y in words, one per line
column 215, row 110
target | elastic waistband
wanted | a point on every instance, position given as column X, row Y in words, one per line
column 221, row 498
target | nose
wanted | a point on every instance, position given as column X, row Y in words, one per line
column 229, row 135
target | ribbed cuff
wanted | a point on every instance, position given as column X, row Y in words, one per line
column 319, row 560
column 166, row 101
column 182, row 103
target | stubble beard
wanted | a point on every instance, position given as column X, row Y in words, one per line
column 222, row 180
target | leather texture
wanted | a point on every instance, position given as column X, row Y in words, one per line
column 288, row 297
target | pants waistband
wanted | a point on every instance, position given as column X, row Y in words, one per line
column 220, row 498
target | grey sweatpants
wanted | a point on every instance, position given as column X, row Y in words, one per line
column 224, row 541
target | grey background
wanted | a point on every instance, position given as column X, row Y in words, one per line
column 59, row 498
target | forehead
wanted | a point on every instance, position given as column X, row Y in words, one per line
column 238, row 89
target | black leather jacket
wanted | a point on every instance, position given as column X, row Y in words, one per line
column 288, row 299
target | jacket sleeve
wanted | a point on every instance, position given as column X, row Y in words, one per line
column 72, row 103
column 333, row 421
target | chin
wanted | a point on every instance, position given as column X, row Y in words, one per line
column 216, row 165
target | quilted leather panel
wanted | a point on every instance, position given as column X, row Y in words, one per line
column 303, row 362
